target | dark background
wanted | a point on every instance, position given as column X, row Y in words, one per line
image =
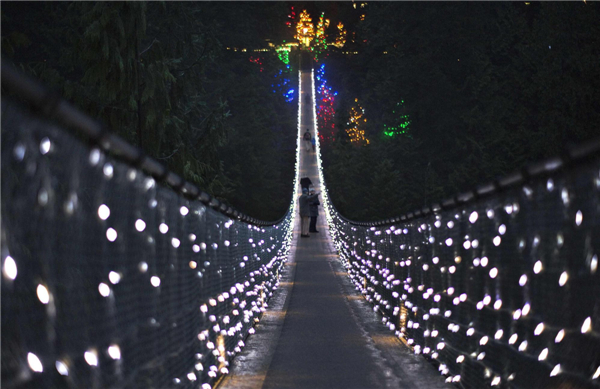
column 487, row 86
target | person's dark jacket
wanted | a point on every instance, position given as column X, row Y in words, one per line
column 314, row 207
column 304, row 204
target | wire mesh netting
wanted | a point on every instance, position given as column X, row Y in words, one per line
column 503, row 291
column 111, row 279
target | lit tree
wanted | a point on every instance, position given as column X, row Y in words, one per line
column 399, row 122
column 356, row 125
column 340, row 39
column 304, row 29
column 320, row 44
column 325, row 112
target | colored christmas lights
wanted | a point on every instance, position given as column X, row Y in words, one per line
column 320, row 41
column 340, row 39
column 304, row 29
column 356, row 125
column 325, row 99
column 399, row 122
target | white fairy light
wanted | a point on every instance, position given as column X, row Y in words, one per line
column 91, row 357
column 103, row 212
column 9, row 269
column 539, row 329
column 114, row 277
column 114, row 351
column 104, row 289
column 140, row 225
column 155, row 281
column 111, row 234
column 563, row 279
column 62, row 368
column 34, row 363
column 473, row 217
column 587, row 325
column 43, row 294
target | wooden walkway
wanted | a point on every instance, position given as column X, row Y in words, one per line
column 319, row 333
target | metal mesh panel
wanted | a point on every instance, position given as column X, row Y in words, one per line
column 502, row 291
column 110, row 279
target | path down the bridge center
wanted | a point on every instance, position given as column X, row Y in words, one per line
column 319, row 333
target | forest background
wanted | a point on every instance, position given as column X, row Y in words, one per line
column 477, row 89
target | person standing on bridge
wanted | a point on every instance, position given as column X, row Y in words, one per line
column 307, row 140
column 314, row 211
column 304, row 205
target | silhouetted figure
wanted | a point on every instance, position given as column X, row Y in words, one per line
column 307, row 140
column 304, row 205
column 314, row 211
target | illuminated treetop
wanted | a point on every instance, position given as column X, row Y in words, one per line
column 305, row 32
column 340, row 39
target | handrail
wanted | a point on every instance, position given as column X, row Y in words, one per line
column 573, row 155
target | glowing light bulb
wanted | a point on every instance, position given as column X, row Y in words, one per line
column 91, row 357
column 43, row 294
column 523, row 346
column 175, row 242
column 34, row 363
column 163, row 228
column 10, row 268
column 539, row 329
column 62, row 368
column 45, row 145
column 155, row 281
column 523, row 280
column 111, row 234
column 114, row 351
column 473, row 217
column 104, row 289
column 513, row 339
column 114, row 277
column 587, row 325
column 543, row 355
column 498, row 334
column 559, row 336
column 537, row 267
column 103, row 212
column 140, row 225
column 563, row 279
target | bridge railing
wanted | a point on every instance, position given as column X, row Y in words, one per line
column 498, row 287
column 110, row 278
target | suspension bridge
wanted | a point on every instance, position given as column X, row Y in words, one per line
column 117, row 273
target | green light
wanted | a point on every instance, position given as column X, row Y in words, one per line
column 400, row 125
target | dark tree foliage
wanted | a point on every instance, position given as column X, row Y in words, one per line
column 160, row 74
column 489, row 87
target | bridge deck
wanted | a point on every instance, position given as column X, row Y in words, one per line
column 318, row 331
